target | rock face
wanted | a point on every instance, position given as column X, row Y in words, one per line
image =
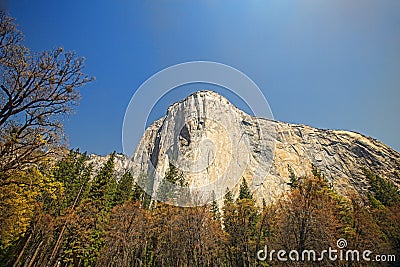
column 121, row 163
column 215, row 145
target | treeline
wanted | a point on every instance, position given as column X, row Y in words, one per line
column 75, row 218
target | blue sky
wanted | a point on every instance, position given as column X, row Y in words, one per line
column 329, row 64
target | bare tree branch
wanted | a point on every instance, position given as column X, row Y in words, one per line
column 37, row 89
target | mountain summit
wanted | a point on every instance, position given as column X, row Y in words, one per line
column 214, row 145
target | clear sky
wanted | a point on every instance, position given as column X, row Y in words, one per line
column 329, row 64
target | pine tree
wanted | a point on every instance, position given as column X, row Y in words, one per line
column 228, row 198
column 316, row 172
column 74, row 173
column 244, row 191
column 103, row 186
column 383, row 191
column 214, row 208
column 240, row 219
column 173, row 177
column 87, row 226
column 124, row 190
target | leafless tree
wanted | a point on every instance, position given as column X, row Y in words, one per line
column 36, row 91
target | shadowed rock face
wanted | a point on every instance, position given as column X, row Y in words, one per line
column 215, row 145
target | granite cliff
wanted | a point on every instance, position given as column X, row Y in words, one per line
column 215, row 145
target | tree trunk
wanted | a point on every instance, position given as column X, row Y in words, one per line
column 23, row 249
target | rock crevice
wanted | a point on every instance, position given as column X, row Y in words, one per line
column 210, row 139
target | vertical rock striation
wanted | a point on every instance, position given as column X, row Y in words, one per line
column 215, row 145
